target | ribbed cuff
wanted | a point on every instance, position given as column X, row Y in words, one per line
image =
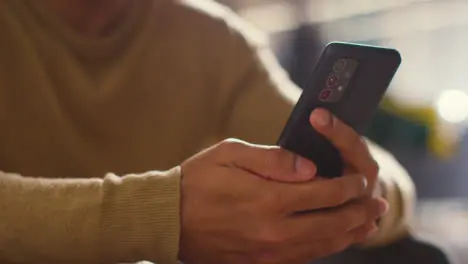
column 140, row 217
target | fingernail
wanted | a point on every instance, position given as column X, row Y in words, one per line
column 304, row 166
column 320, row 117
column 383, row 207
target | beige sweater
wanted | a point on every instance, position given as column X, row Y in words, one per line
column 92, row 129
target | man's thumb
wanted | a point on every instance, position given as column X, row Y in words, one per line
column 270, row 162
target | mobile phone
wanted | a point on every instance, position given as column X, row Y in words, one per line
column 349, row 80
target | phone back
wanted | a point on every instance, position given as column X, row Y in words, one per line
column 349, row 80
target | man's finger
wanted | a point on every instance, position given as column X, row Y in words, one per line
column 318, row 194
column 337, row 221
column 350, row 144
column 306, row 252
column 270, row 162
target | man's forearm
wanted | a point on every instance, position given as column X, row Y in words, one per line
column 115, row 219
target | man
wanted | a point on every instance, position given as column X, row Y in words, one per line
column 94, row 89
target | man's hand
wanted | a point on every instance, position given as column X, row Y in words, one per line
column 352, row 147
column 232, row 213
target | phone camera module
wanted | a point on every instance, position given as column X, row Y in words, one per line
column 340, row 65
column 332, row 81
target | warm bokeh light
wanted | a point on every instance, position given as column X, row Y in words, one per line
column 452, row 105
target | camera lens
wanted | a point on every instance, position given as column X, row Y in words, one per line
column 332, row 81
column 340, row 65
column 325, row 94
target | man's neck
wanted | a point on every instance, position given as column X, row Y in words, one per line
column 91, row 17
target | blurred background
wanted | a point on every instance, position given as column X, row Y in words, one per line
column 423, row 119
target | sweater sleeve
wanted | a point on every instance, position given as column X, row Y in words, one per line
column 260, row 102
column 110, row 220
